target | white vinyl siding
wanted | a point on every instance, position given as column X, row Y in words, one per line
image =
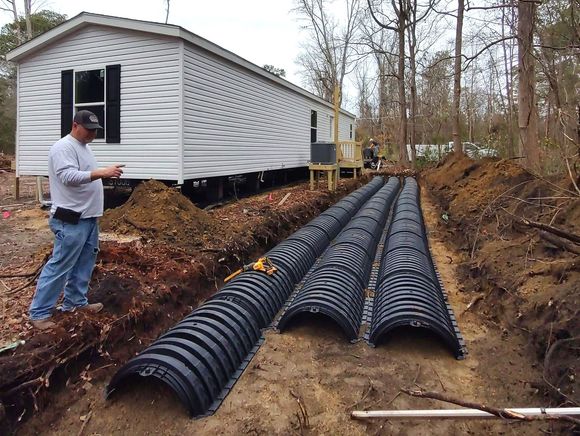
column 344, row 127
column 237, row 122
column 150, row 91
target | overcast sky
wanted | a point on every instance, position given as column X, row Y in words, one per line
column 261, row 31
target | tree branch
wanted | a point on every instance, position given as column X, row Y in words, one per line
column 565, row 245
column 559, row 232
column 500, row 413
column 376, row 20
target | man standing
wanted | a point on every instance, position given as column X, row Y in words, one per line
column 76, row 192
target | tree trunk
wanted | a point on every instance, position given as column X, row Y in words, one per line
column 457, row 148
column 403, row 158
column 413, row 72
column 548, row 116
column 511, row 149
column 27, row 12
column 528, row 112
column 17, row 32
column 14, row 10
column 382, row 103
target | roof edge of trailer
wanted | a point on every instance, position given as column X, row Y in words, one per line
column 88, row 18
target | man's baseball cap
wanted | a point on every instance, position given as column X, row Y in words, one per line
column 87, row 119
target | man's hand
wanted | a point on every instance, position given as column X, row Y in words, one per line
column 114, row 171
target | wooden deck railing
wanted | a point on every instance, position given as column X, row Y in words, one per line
column 349, row 154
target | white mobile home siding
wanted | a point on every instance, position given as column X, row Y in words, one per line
column 238, row 122
column 150, row 89
column 344, row 126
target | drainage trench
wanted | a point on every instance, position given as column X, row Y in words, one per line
column 323, row 268
column 201, row 357
column 335, row 287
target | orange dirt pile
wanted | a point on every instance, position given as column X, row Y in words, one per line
column 162, row 214
column 469, row 186
column 473, row 192
column 517, row 278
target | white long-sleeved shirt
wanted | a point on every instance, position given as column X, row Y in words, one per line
column 70, row 163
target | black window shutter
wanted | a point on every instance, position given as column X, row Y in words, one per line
column 113, row 104
column 66, row 102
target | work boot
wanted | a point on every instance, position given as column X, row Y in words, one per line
column 43, row 324
column 94, row 307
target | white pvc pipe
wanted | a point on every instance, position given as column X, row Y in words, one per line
column 460, row 413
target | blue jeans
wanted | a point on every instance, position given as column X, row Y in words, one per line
column 69, row 269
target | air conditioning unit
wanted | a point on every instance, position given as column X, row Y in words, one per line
column 323, row 153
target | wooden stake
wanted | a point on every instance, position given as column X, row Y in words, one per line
column 336, row 113
column 17, row 188
column 284, row 199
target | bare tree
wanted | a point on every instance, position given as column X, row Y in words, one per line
column 528, row 113
column 557, row 43
column 436, row 96
column 167, row 10
column 27, row 13
column 457, row 147
column 381, row 46
column 413, row 41
column 507, row 47
column 366, row 110
column 10, row 6
column 398, row 23
column 327, row 57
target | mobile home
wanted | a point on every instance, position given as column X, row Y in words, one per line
column 175, row 106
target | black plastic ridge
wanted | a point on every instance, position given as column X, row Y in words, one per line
column 203, row 355
column 335, row 287
column 409, row 290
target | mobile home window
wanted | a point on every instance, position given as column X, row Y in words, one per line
column 331, row 129
column 90, row 94
column 97, row 90
column 313, row 126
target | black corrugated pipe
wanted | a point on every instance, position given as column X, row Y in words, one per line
column 409, row 292
column 199, row 355
column 336, row 286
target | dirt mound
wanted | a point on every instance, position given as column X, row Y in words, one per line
column 469, row 186
column 487, row 196
column 521, row 276
column 161, row 213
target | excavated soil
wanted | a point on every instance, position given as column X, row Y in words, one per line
column 514, row 277
column 157, row 212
